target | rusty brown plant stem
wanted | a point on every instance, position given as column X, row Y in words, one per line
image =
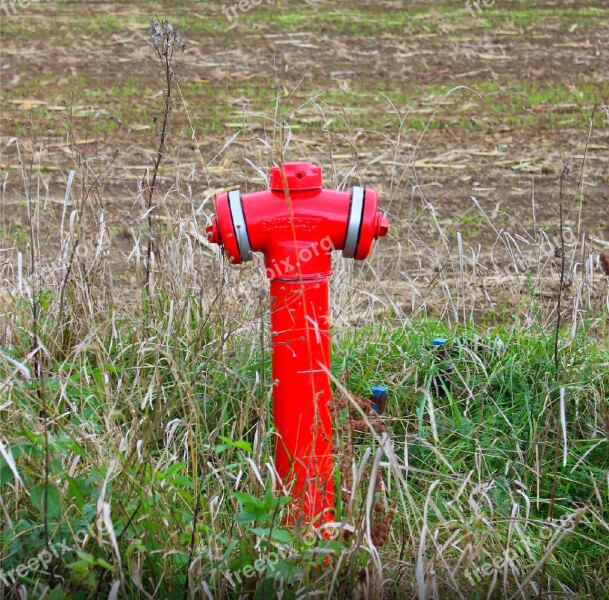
column 166, row 57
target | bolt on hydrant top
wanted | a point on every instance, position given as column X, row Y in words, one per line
column 299, row 176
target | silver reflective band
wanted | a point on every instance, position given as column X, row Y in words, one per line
column 236, row 211
column 355, row 222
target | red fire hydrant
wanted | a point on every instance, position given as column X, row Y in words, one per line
column 296, row 225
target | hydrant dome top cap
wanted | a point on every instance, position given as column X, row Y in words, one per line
column 298, row 176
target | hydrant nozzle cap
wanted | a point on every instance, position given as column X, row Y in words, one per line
column 213, row 232
column 298, row 176
column 382, row 226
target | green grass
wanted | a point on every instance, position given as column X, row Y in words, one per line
column 155, row 414
column 352, row 21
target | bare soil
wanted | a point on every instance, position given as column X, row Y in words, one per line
column 80, row 88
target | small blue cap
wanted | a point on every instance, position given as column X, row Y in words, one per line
column 378, row 391
column 379, row 395
column 439, row 341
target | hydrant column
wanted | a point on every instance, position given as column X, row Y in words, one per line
column 300, row 337
column 296, row 225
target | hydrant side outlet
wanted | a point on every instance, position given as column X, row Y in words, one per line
column 297, row 224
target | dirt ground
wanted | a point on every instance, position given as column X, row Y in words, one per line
column 462, row 123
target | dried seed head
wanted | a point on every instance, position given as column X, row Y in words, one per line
column 156, row 31
column 163, row 32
